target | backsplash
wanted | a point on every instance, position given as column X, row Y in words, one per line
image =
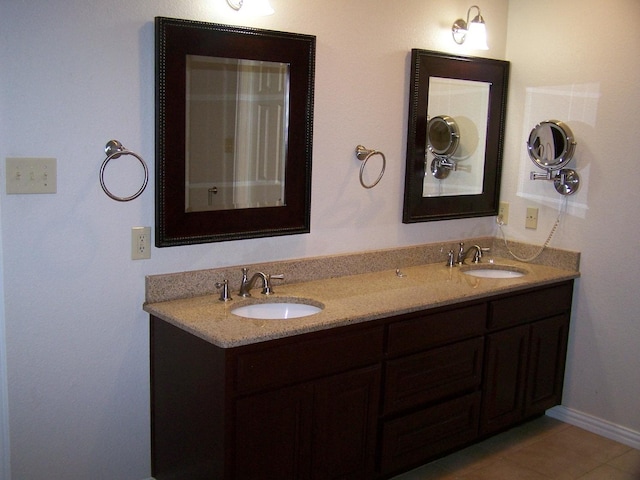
column 164, row 287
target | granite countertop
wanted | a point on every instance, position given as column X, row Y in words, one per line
column 347, row 300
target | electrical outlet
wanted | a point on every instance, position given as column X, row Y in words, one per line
column 140, row 243
column 531, row 221
column 503, row 213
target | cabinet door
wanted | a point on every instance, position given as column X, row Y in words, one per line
column 505, row 378
column 547, row 355
column 323, row 429
column 345, row 414
column 273, row 434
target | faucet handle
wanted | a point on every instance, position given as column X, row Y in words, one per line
column 268, row 289
column 224, row 293
column 450, row 258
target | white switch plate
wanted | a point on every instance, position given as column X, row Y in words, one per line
column 140, row 243
column 31, row 175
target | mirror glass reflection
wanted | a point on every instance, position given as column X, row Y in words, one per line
column 472, row 91
column 551, row 145
column 237, row 116
column 466, row 103
column 234, row 124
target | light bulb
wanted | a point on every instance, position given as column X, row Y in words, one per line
column 477, row 36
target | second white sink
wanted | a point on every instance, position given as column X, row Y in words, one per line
column 494, row 271
column 276, row 310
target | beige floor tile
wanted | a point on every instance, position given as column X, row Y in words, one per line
column 607, row 472
column 585, row 443
column 471, row 458
column 544, row 449
column 543, row 458
column 426, row 472
column 503, row 470
column 628, row 462
column 580, row 452
column 524, row 435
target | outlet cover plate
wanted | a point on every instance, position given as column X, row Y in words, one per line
column 140, row 243
column 503, row 213
column 531, row 221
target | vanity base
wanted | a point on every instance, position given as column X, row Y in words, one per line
column 363, row 401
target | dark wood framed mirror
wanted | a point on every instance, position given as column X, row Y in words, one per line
column 234, row 124
column 473, row 92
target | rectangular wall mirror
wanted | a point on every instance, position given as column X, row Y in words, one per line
column 457, row 109
column 234, row 120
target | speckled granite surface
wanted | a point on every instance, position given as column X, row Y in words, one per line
column 352, row 288
column 160, row 288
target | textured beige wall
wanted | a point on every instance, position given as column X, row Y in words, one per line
column 576, row 61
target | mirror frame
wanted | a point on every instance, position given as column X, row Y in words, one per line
column 425, row 64
column 175, row 39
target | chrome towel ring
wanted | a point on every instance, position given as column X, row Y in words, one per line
column 115, row 149
column 364, row 154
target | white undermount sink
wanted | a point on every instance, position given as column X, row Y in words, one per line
column 493, row 271
column 276, row 310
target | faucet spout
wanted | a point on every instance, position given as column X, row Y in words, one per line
column 477, row 253
column 247, row 284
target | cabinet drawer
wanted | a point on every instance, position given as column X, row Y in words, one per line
column 531, row 306
column 411, row 440
column 306, row 357
column 432, row 375
column 434, row 329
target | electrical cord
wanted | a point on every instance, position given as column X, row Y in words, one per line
column 547, row 241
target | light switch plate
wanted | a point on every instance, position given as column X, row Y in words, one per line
column 31, row 175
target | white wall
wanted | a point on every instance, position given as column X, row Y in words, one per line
column 76, row 74
column 576, row 61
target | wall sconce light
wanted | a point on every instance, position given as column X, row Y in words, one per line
column 473, row 33
column 258, row 8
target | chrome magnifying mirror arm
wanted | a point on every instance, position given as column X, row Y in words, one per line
column 442, row 166
column 566, row 181
column 540, row 176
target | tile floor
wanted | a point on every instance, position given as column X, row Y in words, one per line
column 542, row 449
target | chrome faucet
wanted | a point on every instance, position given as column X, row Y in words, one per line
column 477, row 253
column 247, row 285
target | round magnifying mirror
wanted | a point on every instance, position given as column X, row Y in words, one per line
column 551, row 145
column 443, row 135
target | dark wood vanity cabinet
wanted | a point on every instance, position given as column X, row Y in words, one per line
column 358, row 402
column 433, row 375
column 303, row 407
column 525, row 355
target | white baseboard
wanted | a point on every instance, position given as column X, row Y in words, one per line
column 596, row 425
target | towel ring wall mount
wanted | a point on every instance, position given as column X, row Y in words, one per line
column 364, row 154
column 115, row 149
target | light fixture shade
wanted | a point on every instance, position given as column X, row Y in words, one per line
column 472, row 33
column 477, row 35
column 257, row 8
